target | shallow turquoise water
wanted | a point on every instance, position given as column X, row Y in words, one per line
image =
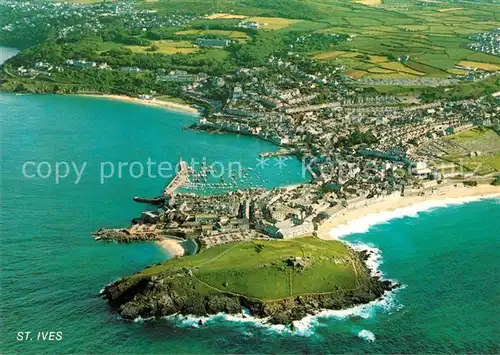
column 52, row 270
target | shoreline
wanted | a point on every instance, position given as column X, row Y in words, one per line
column 357, row 220
column 148, row 102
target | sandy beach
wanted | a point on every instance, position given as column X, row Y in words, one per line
column 152, row 102
column 172, row 247
column 348, row 217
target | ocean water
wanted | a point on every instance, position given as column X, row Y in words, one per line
column 446, row 257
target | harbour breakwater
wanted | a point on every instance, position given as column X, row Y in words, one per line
column 151, row 201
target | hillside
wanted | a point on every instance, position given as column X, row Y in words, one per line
column 283, row 280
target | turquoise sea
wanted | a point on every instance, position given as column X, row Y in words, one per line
column 52, row 270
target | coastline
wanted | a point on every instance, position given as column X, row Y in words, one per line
column 150, row 102
column 356, row 219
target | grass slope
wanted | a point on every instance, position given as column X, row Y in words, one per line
column 259, row 269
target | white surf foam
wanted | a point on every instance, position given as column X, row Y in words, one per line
column 374, row 256
column 304, row 327
column 142, row 320
column 363, row 224
column 367, row 335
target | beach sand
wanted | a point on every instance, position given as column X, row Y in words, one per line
column 172, row 247
column 350, row 216
column 153, row 102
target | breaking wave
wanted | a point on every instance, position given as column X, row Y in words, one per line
column 304, row 327
column 367, row 335
column 363, row 224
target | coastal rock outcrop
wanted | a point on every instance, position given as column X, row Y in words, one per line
column 124, row 236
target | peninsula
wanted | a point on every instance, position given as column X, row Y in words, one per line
column 281, row 281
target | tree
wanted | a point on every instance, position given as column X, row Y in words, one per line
column 153, row 48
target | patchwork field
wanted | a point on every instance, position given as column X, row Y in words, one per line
column 387, row 38
column 359, row 64
column 329, row 55
column 434, row 37
column 483, row 66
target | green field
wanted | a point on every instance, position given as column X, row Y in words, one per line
column 483, row 164
column 261, row 270
column 462, row 149
column 166, row 47
column 273, row 23
column 474, row 133
column 238, row 36
column 435, row 40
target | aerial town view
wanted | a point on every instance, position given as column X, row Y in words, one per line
column 250, row 176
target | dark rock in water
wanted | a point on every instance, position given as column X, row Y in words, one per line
column 292, row 327
column 389, row 285
column 365, row 254
column 200, row 322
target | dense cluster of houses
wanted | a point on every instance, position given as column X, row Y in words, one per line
column 487, row 42
column 342, row 177
column 74, row 18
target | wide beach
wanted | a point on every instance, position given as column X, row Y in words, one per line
column 150, row 102
column 332, row 229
